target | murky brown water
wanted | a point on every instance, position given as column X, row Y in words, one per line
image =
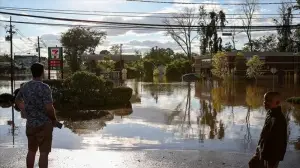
column 226, row 117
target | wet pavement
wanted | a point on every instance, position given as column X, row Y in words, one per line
column 61, row 158
column 179, row 118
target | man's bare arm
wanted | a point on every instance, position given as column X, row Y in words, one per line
column 51, row 111
column 48, row 101
column 20, row 103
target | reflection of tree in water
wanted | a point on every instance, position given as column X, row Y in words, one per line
column 254, row 100
column 296, row 113
column 254, row 96
column 222, row 94
column 294, row 110
column 86, row 121
column 248, row 137
column 184, row 123
column 209, row 118
column 157, row 89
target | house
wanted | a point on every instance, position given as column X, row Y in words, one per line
column 286, row 62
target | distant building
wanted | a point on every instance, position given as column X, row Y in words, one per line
column 25, row 61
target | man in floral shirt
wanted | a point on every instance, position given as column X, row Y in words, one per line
column 35, row 100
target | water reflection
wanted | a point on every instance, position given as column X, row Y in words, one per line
column 215, row 116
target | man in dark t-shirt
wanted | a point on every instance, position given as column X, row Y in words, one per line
column 35, row 102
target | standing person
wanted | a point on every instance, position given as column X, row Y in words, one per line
column 35, row 100
column 273, row 139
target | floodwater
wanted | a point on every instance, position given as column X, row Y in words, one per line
column 178, row 116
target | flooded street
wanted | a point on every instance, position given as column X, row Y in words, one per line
column 176, row 116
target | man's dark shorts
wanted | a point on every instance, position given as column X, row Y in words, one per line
column 40, row 138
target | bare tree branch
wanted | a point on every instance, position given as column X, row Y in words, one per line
column 248, row 9
column 183, row 36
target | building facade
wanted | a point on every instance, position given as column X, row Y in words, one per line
column 287, row 63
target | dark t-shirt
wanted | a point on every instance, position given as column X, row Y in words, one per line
column 35, row 95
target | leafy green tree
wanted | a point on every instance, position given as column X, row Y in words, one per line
column 208, row 31
column 263, row 44
column 254, row 67
column 177, row 68
column 160, row 55
column 76, row 41
column 179, row 56
column 285, row 42
column 106, row 52
column 220, row 65
column 115, row 49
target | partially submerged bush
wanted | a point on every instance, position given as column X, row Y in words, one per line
column 86, row 90
column 294, row 100
column 119, row 95
column 85, row 82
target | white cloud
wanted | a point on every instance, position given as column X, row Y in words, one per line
column 145, row 38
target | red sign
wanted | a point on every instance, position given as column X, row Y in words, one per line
column 55, row 53
column 55, row 63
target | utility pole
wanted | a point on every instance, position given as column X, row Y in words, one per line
column 39, row 49
column 10, row 38
column 121, row 57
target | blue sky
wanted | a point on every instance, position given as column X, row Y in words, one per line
column 131, row 40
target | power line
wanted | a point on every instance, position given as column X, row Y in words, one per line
column 22, row 35
column 21, row 49
column 254, row 28
column 211, row 3
column 133, row 16
column 88, row 12
column 131, row 24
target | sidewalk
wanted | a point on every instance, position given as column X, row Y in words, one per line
column 61, row 158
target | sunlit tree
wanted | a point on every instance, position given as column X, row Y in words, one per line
column 220, row 65
column 254, row 67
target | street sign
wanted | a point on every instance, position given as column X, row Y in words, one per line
column 55, row 52
column 55, row 59
column 273, row 70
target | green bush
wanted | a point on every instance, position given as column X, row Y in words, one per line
column 85, row 82
column 148, row 68
column 119, row 95
column 177, row 68
column 294, row 100
column 132, row 73
column 85, row 89
column 54, row 83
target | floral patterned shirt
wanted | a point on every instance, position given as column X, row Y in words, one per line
column 35, row 95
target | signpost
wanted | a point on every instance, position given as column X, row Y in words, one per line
column 273, row 70
column 55, row 60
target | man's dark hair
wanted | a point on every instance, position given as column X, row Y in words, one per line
column 37, row 70
column 269, row 96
